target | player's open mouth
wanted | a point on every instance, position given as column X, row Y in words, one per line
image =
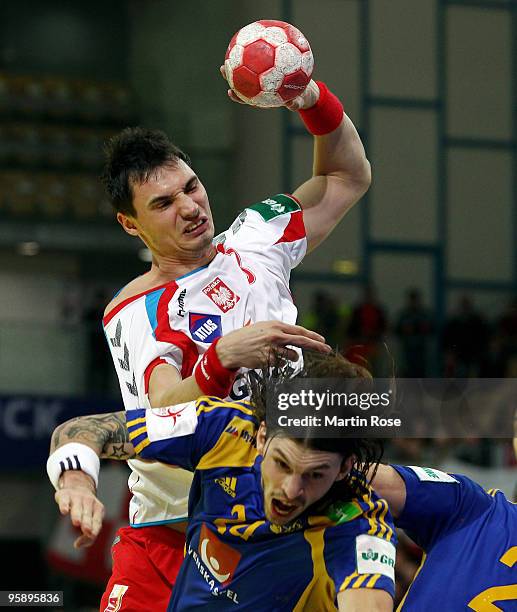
column 281, row 508
column 196, row 228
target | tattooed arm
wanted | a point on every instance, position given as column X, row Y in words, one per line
column 106, row 434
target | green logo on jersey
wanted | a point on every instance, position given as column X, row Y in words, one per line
column 385, row 560
column 430, row 473
column 275, row 206
column 342, row 512
column 369, row 555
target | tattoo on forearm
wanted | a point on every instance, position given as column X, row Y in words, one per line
column 105, row 433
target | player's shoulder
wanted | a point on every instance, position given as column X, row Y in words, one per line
column 275, row 206
column 267, row 211
column 138, row 287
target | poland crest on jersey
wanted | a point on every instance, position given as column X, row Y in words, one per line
column 221, row 295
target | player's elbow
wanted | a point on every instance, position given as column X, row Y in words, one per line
column 356, row 183
column 363, row 178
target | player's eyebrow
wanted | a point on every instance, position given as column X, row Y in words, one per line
column 167, row 197
column 322, row 466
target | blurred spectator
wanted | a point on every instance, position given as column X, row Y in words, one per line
column 414, row 329
column 368, row 324
column 466, row 341
column 327, row 317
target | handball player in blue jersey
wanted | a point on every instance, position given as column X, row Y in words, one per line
column 468, row 535
column 275, row 523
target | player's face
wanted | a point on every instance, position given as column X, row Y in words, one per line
column 173, row 215
column 294, row 477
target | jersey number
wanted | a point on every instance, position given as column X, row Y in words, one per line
column 240, row 528
column 484, row 601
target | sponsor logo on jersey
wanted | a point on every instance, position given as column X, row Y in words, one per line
column 216, row 562
column 115, row 341
column 342, row 512
column 375, row 556
column 233, row 431
column 115, row 598
column 426, row 474
column 220, row 559
column 181, row 303
column 237, row 224
column 275, row 206
column 221, row 295
column 244, row 434
column 296, row 525
column 228, row 485
column 370, row 555
column 204, row 327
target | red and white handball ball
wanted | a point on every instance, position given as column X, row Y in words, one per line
column 268, row 63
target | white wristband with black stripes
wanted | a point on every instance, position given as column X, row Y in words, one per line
column 73, row 456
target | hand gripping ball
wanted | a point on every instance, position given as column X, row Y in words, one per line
column 268, row 63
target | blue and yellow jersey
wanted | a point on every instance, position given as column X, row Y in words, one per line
column 469, row 537
column 235, row 558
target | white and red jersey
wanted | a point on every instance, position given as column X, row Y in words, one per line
column 175, row 323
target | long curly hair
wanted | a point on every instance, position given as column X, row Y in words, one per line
column 366, row 452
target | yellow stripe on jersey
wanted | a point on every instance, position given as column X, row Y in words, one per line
column 359, row 582
column 135, row 422
column 424, row 557
column 378, row 526
column 371, row 583
column 234, row 448
column 347, row 581
column 140, row 447
column 493, row 492
column 359, row 579
column 207, row 404
column 320, row 593
column 137, row 432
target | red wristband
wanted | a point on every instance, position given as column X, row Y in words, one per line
column 211, row 376
column 325, row 115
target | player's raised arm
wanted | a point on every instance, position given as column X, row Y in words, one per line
column 341, row 172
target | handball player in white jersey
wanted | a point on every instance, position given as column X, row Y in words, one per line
column 205, row 310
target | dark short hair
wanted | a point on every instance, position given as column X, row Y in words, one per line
column 367, row 452
column 132, row 156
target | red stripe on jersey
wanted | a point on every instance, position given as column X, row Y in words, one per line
column 294, row 230
column 164, row 332
column 107, row 318
column 149, row 370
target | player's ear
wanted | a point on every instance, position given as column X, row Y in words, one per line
column 346, row 466
column 127, row 223
column 261, row 438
